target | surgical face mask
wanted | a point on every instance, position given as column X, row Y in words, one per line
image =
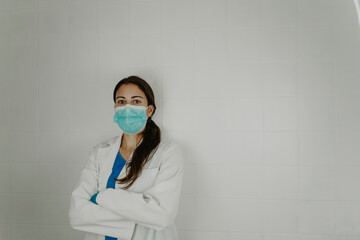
column 130, row 118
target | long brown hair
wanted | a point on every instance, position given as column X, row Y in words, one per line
column 151, row 135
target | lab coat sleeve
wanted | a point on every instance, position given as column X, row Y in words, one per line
column 89, row 217
column 157, row 207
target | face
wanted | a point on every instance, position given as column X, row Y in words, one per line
column 131, row 94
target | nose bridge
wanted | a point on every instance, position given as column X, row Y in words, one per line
column 130, row 108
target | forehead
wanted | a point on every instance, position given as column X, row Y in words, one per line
column 129, row 90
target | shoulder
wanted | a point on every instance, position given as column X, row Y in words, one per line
column 164, row 153
column 169, row 146
column 165, row 147
column 105, row 144
column 171, row 153
column 108, row 142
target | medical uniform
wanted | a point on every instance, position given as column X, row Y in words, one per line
column 146, row 211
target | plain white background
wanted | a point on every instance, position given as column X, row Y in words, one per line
column 263, row 96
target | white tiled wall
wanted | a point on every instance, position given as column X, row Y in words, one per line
column 263, row 96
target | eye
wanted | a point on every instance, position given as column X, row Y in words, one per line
column 121, row 101
column 137, row 101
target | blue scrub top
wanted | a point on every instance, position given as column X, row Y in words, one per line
column 118, row 166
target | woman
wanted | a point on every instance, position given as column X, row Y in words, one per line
column 130, row 186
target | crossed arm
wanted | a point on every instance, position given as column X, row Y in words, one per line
column 116, row 211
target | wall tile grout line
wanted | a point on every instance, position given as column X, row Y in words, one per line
column 300, row 197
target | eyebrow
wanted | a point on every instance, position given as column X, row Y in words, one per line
column 131, row 97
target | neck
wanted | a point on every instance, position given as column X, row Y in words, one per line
column 129, row 142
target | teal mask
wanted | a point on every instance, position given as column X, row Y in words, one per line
column 130, row 118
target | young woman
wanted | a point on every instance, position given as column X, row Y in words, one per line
column 130, row 186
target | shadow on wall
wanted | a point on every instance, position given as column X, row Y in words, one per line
column 357, row 6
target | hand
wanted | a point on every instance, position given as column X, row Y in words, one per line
column 93, row 198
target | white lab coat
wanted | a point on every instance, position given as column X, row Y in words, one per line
column 146, row 211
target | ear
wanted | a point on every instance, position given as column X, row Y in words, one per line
column 150, row 110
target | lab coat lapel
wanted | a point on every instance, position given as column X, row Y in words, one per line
column 107, row 156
